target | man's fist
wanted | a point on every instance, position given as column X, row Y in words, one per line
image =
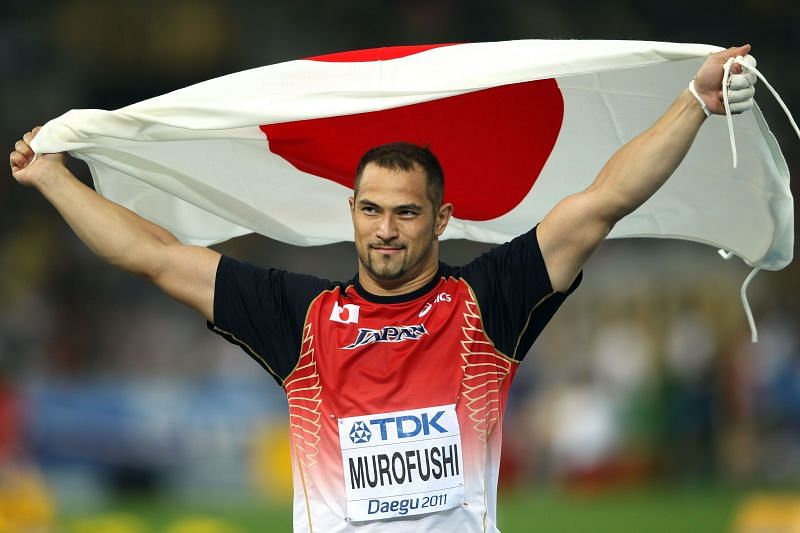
column 28, row 169
column 708, row 81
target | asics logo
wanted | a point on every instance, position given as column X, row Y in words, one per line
column 441, row 297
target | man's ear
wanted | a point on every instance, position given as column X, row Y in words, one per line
column 352, row 202
column 442, row 218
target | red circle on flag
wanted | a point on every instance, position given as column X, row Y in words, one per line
column 492, row 143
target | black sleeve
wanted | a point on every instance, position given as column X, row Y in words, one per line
column 514, row 293
column 263, row 311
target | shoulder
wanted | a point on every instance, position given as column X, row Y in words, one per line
column 246, row 291
column 519, row 257
column 230, row 269
column 514, row 293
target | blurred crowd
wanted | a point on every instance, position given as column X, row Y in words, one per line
column 647, row 373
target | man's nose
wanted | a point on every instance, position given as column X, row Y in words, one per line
column 387, row 230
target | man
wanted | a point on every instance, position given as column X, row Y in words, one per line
column 396, row 380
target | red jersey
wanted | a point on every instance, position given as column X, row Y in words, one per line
column 395, row 403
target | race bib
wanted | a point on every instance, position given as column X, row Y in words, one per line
column 402, row 463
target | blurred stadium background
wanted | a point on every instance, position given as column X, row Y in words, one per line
column 643, row 407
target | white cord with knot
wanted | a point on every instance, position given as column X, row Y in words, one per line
column 748, row 64
column 737, row 95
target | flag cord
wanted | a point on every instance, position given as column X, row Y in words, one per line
column 724, row 253
column 725, row 77
column 747, row 311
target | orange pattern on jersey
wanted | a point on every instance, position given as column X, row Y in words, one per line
column 304, row 391
column 485, row 370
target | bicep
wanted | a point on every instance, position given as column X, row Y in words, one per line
column 569, row 234
column 187, row 274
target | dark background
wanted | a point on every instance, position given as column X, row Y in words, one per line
column 646, row 375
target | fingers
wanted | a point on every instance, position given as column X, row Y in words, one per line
column 742, row 94
column 741, row 81
column 749, row 60
column 736, row 51
column 741, row 86
column 741, row 107
column 29, row 136
column 18, row 162
column 737, row 68
column 23, row 148
column 22, row 154
column 25, row 167
column 724, row 55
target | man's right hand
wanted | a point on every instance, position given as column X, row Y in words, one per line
column 29, row 170
column 118, row 235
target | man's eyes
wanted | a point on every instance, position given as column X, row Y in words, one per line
column 404, row 213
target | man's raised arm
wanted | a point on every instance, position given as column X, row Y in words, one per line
column 575, row 227
column 118, row 235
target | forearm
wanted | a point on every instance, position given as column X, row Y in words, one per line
column 576, row 225
column 638, row 169
column 111, row 231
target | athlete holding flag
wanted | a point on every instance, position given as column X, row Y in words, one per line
column 396, row 380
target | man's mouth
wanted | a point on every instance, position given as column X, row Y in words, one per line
column 386, row 249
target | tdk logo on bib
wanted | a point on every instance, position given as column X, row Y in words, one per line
column 360, row 433
column 395, row 428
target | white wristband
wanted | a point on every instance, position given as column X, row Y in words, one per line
column 697, row 96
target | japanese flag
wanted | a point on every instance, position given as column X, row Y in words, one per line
column 517, row 126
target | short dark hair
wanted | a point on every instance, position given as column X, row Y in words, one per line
column 405, row 156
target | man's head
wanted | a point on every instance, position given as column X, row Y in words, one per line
column 398, row 215
column 406, row 157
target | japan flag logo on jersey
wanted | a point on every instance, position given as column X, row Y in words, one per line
column 346, row 314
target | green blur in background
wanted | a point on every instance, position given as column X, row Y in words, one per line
column 652, row 510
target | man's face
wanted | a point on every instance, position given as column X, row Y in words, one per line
column 396, row 229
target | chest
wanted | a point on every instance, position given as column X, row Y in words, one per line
column 394, row 356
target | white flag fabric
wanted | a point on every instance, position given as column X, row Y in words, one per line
column 517, row 126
